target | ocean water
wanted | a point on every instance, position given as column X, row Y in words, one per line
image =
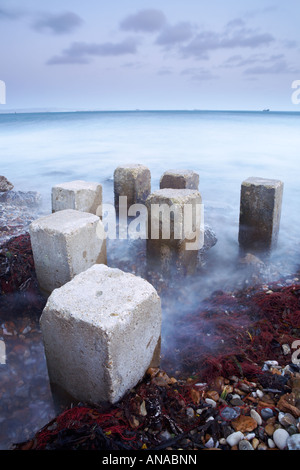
column 39, row 150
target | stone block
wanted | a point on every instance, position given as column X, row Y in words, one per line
column 64, row 244
column 180, row 179
column 78, row 195
column 175, row 228
column 101, row 331
column 132, row 181
column 260, row 213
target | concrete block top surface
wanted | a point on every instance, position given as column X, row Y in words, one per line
column 267, row 183
column 76, row 185
column 132, row 168
column 174, row 196
column 65, row 221
column 102, row 296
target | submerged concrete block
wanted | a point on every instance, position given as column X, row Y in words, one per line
column 179, row 179
column 78, row 195
column 132, row 181
column 260, row 212
column 101, row 331
column 64, row 244
column 175, row 228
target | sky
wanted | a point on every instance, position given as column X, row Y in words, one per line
column 167, row 54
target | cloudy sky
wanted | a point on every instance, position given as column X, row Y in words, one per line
column 167, row 54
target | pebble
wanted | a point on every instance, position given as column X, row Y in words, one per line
column 266, row 413
column 280, row 438
column 256, row 416
column 234, row 438
column 286, row 419
column 245, row 445
column 293, row 442
column 271, row 443
column 211, row 402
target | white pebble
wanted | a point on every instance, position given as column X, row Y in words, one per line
column 250, row 436
column 280, row 437
column 211, row 402
column 271, row 443
column 259, row 393
column 234, row 438
column 256, row 416
column 211, row 443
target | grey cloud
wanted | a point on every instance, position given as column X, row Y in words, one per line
column 199, row 74
column 81, row 52
column 8, row 14
column 148, row 21
column 236, row 23
column 279, row 67
column 177, row 33
column 240, row 61
column 208, row 40
column 62, row 23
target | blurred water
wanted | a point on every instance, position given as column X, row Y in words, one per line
column 40, row 150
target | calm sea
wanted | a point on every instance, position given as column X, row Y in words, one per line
column 39, row 150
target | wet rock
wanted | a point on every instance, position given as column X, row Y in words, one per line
column 280, row 438
column 234, row 438
column 244, row 423
column 256, row 416
column 245, row 445
column 293, row 442
column 266, row 413
column 5, row 185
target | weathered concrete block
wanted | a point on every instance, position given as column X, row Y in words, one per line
column 78, row 195
column 175, row 228
column 179, row 179
column 132, row 181
column 64, row 244
column 260, row 212
column 100, row 333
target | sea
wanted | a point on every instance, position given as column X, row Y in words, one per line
column 40, row 150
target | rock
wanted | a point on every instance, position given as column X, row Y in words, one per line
column 255, row 443
column 260, row 211
column 280, row 437
column 211, row 402
column 270, row 429
column 286, row 419
column 256, row 416
column 293, row 442
column 101, row 333
column 213, row 395
column 21, row 198
column 64, row 244
column 266, row 413
column 5, row 185
column 262, row 446
column 132, row 181
column 244, row 423
column 271, row 443
column 234, row 438
column 179, row 179
column 79, row 195
column 245, row 445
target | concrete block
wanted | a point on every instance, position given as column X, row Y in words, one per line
column 100, row 333
column 64, row 244
column 78, row 195
column 175, row 228
column 260, row 212
column 179, row 179
column 132, row 181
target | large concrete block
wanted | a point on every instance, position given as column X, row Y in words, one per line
column 175, row 228
column 260, row 212
column 64, row 244
column 132, row 181
column 101, row 331
column 78, row 195
column 179, row 179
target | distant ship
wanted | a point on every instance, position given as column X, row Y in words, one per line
column 266, row 110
